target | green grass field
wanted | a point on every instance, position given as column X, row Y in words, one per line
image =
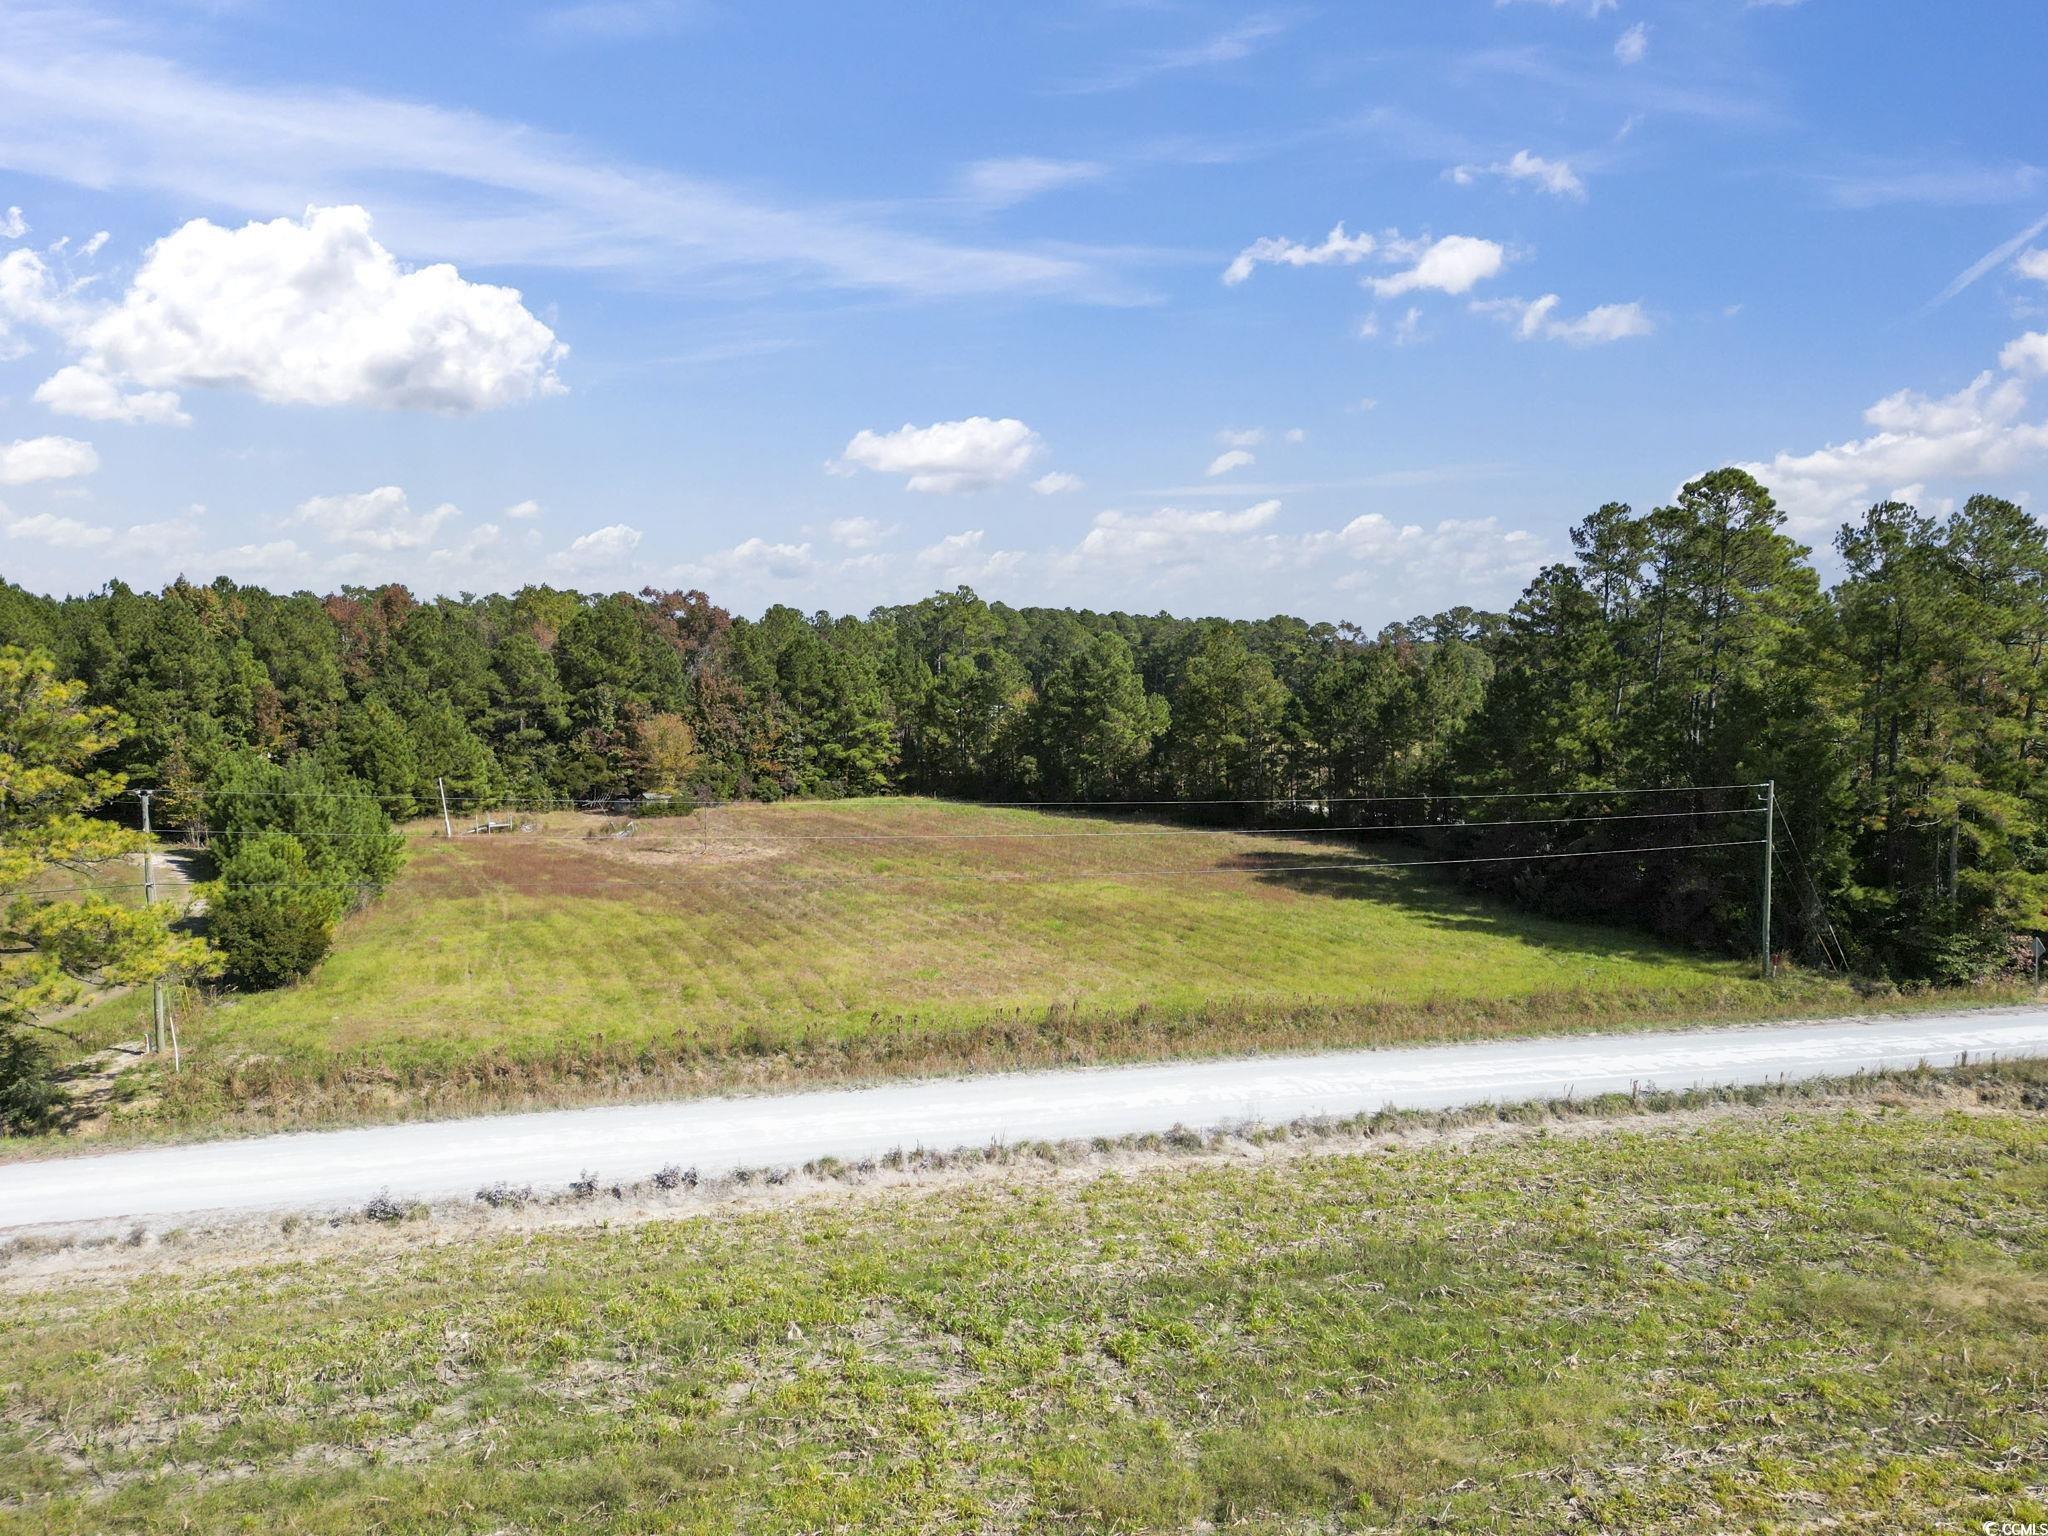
column 772, row 943
column 1821, row 1317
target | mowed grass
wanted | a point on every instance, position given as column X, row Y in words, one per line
column 842, row 916
column 757, row 945
column 1825, row 1318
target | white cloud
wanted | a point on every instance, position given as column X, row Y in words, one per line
column 1450, row 265
column 1940, row 183
column 1224, row 463
column 959, row 558
column 1003, row 183
column 1632, row 46
column 952, row 547
column 1241, row 437
column 2032, row 264
column 314, row 311
column 76, row 391
column 1590, row 7
column 381, row 520
column 948, row 456
column 1337, row 249
column 1404, row 564
column 1178, row 521
column 90, row 105
column 519, row 511
column 477, row 543
column 95, row 245
column 1297, row 434
column 29, row 295
column 1538, row 320
column 749, row 560
column 1975, row 433
column 859, row 532
column 599, row 548
column 1225, row 47
column 1553, row 176
column 45, row 458
column 278, row 563
column 1409, row 330
column 1057, row 482
column 1963, row 279
column 13, row 226
column 2026, row 354
column 58, row 532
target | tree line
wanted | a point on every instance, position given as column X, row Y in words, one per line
column 1899, row 712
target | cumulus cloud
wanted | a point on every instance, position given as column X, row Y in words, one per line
column 57, row 532
column 2033, row 264
column 13, row 226
column 381, row 520
column 750, row 560
column 960, row 558
column 1404, row 563
column 76, row 391
column 1450, row 265
column 1633, row 45
column 1337, row 248
column 1538, row 320
column 45, row 458
column 520, row 511
column 311, row 311
column 599, row 548
column 1057, row 482
column 948, row 456
column 859, row 532
column 1224, row 463
column 1977, row 432
column 30, row 296
column 1553, row 176
column 2026, row 354
column 1002, row 183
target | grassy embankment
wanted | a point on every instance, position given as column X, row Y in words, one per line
column 1823, row 1316
column 768, row 944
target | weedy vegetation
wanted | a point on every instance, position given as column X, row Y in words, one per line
column 1828, row 1311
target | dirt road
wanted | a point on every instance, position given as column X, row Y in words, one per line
column 443, row 1159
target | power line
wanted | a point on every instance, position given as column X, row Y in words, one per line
column 688, row 837
column 571, row 803
column 1531, row 794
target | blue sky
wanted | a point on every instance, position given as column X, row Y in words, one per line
column 1345, row 310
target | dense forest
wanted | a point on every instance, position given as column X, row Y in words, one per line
column 1900, row 714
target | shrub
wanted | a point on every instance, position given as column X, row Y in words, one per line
column 29, row 1095
column 273, row 917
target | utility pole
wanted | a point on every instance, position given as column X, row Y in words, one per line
column 447, row 826
column 1770, row 828
column 155, row 1042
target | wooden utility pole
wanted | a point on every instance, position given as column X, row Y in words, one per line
column 447, row 826
column 155, row 1042
column 1770, row 828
